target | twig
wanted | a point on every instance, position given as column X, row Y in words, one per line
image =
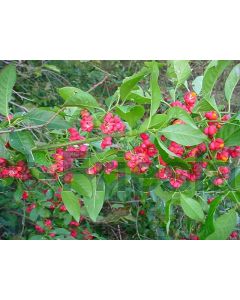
column 119, row 232
column 99, row 83
column 13, row 129
column 20, row 106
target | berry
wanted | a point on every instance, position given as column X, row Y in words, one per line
column 223, row 155
column 234, row 235
column 211, row 115
column 68, row 178
column 73, row 233
column 210, row 200
column 190, row 98
column 193, row 237
column 210, row 130
column 87, row 121
column 112, row 124
column 110, row 166
column 141, row 212
column 107, row 141
column 218, row 181
column 48, row 223
column 63, row 208
column 216, row 144
column 25, row 195
column 39, row 229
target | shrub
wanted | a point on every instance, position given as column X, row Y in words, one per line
column 145, row 163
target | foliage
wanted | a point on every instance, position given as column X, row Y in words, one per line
column 147, row 154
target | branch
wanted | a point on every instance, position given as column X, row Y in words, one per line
column 99, row 83
column 86, row 141
column 13, row 129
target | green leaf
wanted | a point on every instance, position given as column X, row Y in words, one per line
column 3, row 150
column 182, row 70
column 131, row 114
column 41, row 116
column 197, row 84
column 184, row 134
column 23, row 142
column 235, row 178
column 211, row 76
column 208, row 227
column 77, row 97
column 95, row 203
column 82, row 185
column 157, row 121
column 52, row 68
column 224, row 225
column 138, row 96
column 231, row 82
column 166, row 154
column 155, row 89
column 7, row 82
column 179, row 113
column 192, row 208
column 230, row 133
column 71, row 201
column 41, row 158
column 206, row 105
column 130, row 82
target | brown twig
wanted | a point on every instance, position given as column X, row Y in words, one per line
column 98, row 84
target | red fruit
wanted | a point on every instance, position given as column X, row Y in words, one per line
column 52, row 234
column 48, row 223
column 210, row 200
column 110, row 166
column 74, row 223
column 234, row 235
column 144, row 136
column 190, row 98
column 141, row 212
column 87, row 235
column 9, row 117
column 112, row 124
column 25, row 195
column 39, row 229
column 176, row 148
column 62, row 208
column 107, row 141
column 161, row 161
column 210, row 130
column 30, row 207
column 74, row 233
column 193, row 237
column 223, row 170
column 179, row 104
column 226, row 118
column 68, row 177
column 223, row 155
column 176, row 183
column 163, row 138
column 87, row 121
column 95, row 169
column 216, row 144
column 218, row 181
column 211, row 115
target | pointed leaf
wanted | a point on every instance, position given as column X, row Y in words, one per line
column 71, row 201
column 77, row 97
column 7, row 81
column 184, row 134
column 192, row 208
